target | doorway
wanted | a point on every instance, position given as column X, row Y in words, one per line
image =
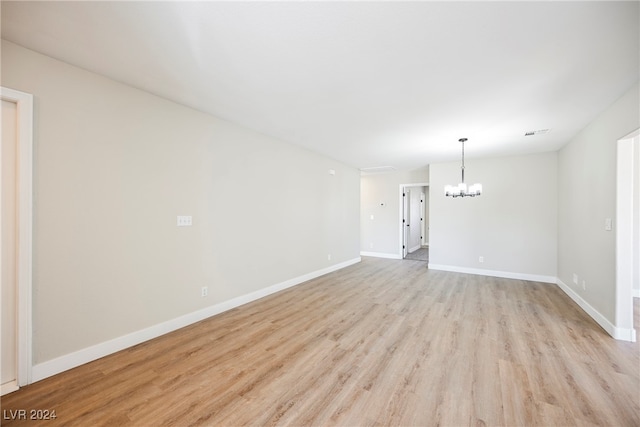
column 415, row 222
column 627, row 237
column 15, row 231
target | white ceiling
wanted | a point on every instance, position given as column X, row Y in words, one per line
column 368, row 83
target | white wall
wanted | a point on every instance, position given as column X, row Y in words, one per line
column 113, row 166
column 380, row 194
column 587, row 190
column 512, row 224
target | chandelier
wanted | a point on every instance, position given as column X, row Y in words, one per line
column 461, row 189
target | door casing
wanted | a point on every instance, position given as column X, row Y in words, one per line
column 24, row 191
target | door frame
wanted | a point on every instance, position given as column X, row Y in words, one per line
column 624, row 236
column 400, row 214
column 24, row 202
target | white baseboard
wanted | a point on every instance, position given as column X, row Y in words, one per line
column 622, row 334
column 636, row 293
column 89, row 354
column 494, row 273
column 381, row 255
column 9, row 387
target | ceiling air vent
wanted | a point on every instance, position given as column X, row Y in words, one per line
column 536, row 132
column 376, row 169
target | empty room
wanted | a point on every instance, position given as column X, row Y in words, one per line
column 320, row 213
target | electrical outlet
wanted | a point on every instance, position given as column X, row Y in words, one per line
column 575, row 279
column 481, row 259
column 329, row 257
column 205, row 291
column 584, row 285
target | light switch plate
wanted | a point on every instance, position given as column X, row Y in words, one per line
column 185, row 221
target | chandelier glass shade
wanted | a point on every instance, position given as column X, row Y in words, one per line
column 461, row 190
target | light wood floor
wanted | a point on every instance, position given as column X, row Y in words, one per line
column 383, row 342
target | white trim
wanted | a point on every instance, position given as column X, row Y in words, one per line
column 617, row 333
column 24, row 105
column 381, row 255
column 494, row 273
column 9, row 387
column 71, row 360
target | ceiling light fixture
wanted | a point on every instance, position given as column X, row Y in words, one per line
column 461, row 189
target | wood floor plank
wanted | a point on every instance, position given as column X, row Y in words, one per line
column 383, row 342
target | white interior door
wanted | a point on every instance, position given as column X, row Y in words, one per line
column 8, row 268
column 406, row 196
column 425, row 240
column 415, row 220
column 423, row 222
